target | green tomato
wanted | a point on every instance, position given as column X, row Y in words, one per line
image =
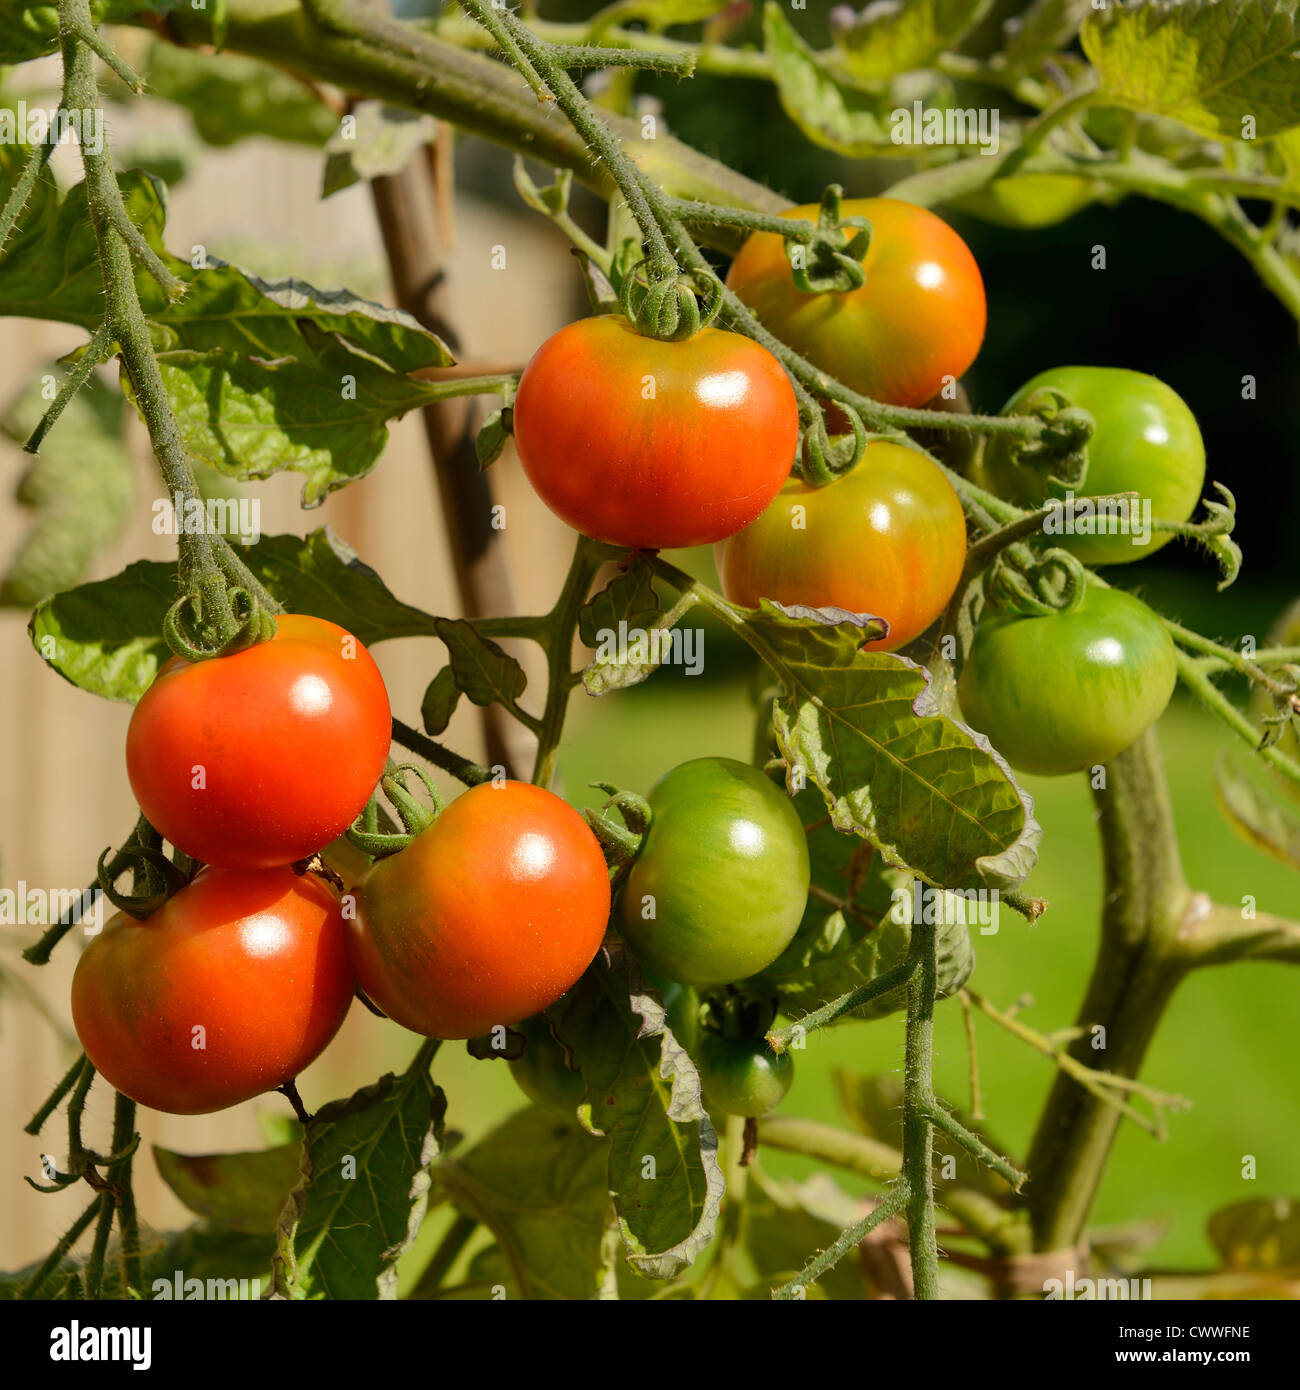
column 1146, row 441
column 682, row 1005
column 1027, row 200
column 720, row 883
column 743, row 1076
column 1062, row 692
column 542, row 1073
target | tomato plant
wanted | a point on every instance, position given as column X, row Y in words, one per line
column 234, row 986
column 486, row 917
column 1146, row 441
column 654, row 444
column 742, row 1076
column 258, row 759
column 1121, row 674
column 888, row 539
column 918, row 318
column 664, row 956
column 719, row 885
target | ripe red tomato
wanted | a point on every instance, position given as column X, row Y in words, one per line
column 486, row 917
column 259, row 759
column 650, row 444
column 887, row 538
column 230, row 989
column 918, row 318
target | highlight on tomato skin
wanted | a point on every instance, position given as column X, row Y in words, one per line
column 485, row 918
column 654, row 445
column 231, row 988
column 261, row 758
column 888, row 538
column 918, row 318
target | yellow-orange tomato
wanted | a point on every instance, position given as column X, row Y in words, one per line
column 918, row 318
column 888, row 539
column 486, row 917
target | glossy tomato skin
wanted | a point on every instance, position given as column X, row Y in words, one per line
column 1146, row 441
column 1064, row 692
column 255, row 959
column 888, row 538
column 285, row 741
column 650, row 444
column 486, row 917
column 719, row 886
column 919, row 317
column 743, row 1076
column 543, row 1073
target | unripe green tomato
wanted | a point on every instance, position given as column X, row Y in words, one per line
column 743, row 1076
column 719, row 885
column 542, row 1073
column 1028, row 200
column 1146, row 441
column 1065, row 691
column 682, row 1006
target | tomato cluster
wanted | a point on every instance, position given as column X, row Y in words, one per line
column 248, row 763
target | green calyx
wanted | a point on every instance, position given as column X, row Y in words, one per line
column 823, row 457
column 830, row 261
column 661, row 301
column 1060, row 451
column 370, row 835
column 620, row 836
column 1054, row 582
column 213, row 620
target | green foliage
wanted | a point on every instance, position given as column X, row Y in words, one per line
column 896, row 37
column 1207, row 63
column 242, row 1192
column 30, row 28
column 363, row 1190
column 106, row 637
column 383, row 140
column 80, row 489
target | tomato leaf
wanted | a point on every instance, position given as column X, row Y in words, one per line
column 80, row 489
column 362, row 1192
column 105, row 637
column 1260, row 804
column 440, row 701
column 629, row 598
column 643, row 1093
column 1207, row 63
column 230, row 97
column 539, row 1183
column 482, row 670
column 893, row 36
column 830, row 113
column 30, row 28
column 238, row 1191
column 1259, row 1234
column 856, row 927
column 930, row 794
column 383, row 139
column 786, row 1221
column 1044, row 28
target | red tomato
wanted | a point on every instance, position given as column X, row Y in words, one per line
column 230, row 989
column 888, row 538
column 486, row 917
column 649, row 444
column 259, row 759
column 918, row 318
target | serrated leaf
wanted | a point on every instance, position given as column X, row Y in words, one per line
column 830, row 113
column 629, row 597
column 106, row 637
column 237, row 1191
column 643, row 1093
column 930, row 794
column 364, row 1186
column 80, row 490
column 230, row 97
column 856, row 927
column 1260, row 1234
column 382, row 140
column 483, row 671
column 538, row 1182
column 894, row 36
column 323, row 413
column 1046, row 27
column 1207, row 63
column 440, row 701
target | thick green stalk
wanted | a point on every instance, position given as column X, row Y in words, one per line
column 1138, row 966
column 918, row 1104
